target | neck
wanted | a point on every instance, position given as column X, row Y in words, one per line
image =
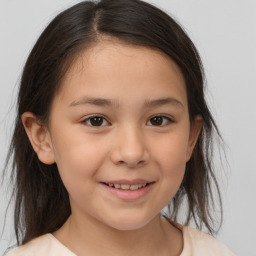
column 91, row 237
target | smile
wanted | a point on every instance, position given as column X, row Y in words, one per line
column 128, row 190
column 127, row 186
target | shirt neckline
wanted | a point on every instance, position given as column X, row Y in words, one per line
column 177, row 225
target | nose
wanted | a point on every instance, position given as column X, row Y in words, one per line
column 129, row 148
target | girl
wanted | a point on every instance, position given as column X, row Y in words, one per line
column 112, row 126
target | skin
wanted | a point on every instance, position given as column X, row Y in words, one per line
column 128, row 144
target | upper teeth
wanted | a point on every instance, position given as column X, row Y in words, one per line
column 127, row 186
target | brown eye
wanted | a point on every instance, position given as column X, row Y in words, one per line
column 159, row 121
column 96, row 121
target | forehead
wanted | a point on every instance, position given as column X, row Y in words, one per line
column 112, row 69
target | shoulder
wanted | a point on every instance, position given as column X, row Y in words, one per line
column 41, row 246
column 198, row 243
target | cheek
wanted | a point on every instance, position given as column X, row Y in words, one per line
column 172, row 150
column 170, row 157
column 78, row 165
column 78, row 157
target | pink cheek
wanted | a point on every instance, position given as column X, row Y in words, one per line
column 77, row 161
column 172, row 161
column 86, row 162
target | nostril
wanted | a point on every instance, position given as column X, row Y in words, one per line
column 132, row 164
column 121, row 163
column 130, row 157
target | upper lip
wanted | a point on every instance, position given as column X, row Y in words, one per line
column 128, row 182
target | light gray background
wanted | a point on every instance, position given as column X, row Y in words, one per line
column 225, row 34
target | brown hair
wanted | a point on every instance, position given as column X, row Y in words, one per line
column 41, row 200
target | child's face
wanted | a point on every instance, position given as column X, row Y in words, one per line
column 121, row 117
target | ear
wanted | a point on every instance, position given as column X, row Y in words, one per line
column 39, row 138
column 195, row 130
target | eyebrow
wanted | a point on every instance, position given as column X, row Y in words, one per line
column 94, row 101
column 163, row 101
column 108, row 103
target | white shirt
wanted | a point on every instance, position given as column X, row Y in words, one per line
column 195, row 243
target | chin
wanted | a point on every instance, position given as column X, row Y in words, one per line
column 127, row 223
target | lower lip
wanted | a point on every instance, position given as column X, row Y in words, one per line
column 129, row 195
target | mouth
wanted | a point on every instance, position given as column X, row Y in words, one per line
column 132, row 187
column 128, row 190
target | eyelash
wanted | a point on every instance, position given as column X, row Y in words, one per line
column 167, row 120
column 89, row 119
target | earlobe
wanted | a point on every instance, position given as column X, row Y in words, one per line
column 195, row 131
column 39, row 138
